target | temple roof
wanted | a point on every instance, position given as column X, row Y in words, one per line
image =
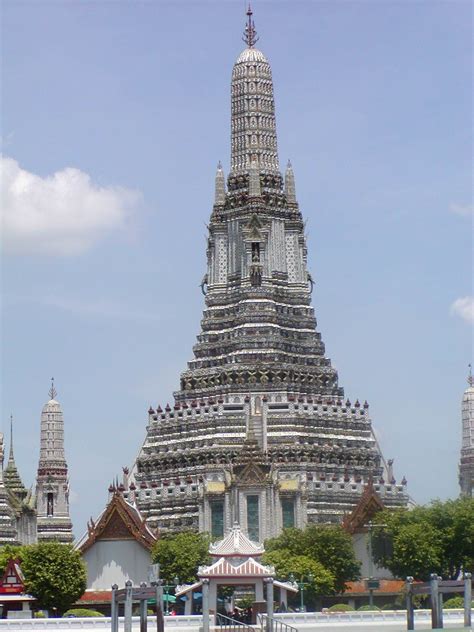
column 236, row 544
column 369, row 504
column 119, row 521
column 248, row 568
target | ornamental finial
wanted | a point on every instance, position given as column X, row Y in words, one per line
column 10, row 458
column 250, row 34
column 52, row 391
column 470, row 377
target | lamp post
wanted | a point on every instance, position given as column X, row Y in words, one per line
column 166, row 588
column 302, row 585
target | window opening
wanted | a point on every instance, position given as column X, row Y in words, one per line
column 50, row 504
column 217, row 519
column 288, row 512
column 252, row 518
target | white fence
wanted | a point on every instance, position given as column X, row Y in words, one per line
column 389, row 620
column 174, row 624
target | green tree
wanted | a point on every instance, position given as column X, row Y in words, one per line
column 54, row 573
column 180, row 555
column 9, row 552
column 301, row 566
column 435, row 538
column 329, row 545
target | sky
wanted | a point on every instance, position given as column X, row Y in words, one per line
column 114, row 116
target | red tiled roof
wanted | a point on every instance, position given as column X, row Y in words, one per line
column 387, row 586
column 369, row 504
column 120, row 520
column 96, row 596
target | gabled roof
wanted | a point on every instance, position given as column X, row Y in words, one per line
column 369, row 504
column 12, row 581
column 236, row 544
column 120, row 521
column 248, row 568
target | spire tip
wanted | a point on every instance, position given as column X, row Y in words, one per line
column 250, row 34
column 52, row 391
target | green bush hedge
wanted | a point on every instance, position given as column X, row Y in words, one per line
column 367, row 607
column 82, row 612
column 392, row 606
column 455, row 602
column 341, row 607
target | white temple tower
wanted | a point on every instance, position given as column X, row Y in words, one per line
column 260, row 433
column 8, row 533
column 52, row 485
column 466, row 465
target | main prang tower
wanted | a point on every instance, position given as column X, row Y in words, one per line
column 260, row 432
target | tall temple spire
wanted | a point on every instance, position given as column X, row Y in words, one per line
column 219, row 198
column 253, row 126
column 11, row 475
column 466, row 464
column 10, row 456
column 250, row 36
column 259, row 431
column 290, row 184
column 52, row 485
column 8, row 533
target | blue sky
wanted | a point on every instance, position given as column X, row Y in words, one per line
column 115, row 115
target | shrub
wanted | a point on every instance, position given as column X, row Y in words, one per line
column 136, row 611
column 341, row 607
column 39, row 615
column 368, row 608
column 82, row 612
column 245, row 602
column 454, row 602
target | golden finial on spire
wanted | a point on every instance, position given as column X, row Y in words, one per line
column 250, row 34
column 52, row 391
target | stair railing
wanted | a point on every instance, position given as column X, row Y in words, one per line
column 270, row 624
column 227, row 624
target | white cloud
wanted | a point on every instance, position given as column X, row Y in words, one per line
column 465, row 210
column 464, row 307
column 61, row 214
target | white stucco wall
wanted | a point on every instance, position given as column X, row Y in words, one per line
column 360, row 542
column 114, row 562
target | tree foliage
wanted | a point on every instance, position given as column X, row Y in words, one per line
column 436, row 538
column 302, row 566
column 54, row 573
column 180, row 555
column 329, row 545
column 8, row 552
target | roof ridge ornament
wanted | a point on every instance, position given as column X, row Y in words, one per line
column 52, row 391
column 250, row 34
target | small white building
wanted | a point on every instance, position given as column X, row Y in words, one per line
column 116, row 548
